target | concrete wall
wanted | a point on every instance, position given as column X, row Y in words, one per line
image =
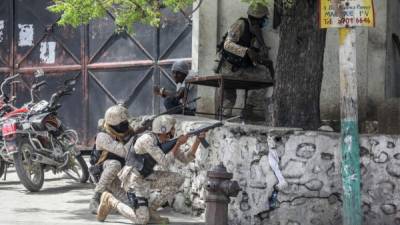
column 372, row 55
column 310, row 162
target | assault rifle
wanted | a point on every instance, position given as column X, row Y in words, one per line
column 166, row 147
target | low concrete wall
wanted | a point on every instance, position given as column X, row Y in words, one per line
column 310, row 162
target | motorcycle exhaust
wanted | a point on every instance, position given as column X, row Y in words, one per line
column 39, row 158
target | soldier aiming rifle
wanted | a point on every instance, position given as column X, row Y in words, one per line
column 139, row 177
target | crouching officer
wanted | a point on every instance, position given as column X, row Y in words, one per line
column 139, row 178
column 174, row 99
column 113, row 141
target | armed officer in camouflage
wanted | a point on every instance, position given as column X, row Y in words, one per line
column 140, row 182
column 243, row 53
column 113, row 140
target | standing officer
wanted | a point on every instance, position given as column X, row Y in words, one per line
column 244, row 54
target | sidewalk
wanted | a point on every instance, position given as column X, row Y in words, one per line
column 60, row 202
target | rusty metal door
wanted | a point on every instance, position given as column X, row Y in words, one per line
column 113, row 67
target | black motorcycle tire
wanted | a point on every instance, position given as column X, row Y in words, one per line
column 22, row 173
column 2, row 167
column 84, row 167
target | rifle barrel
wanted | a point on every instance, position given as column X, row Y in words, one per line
column 204, row 129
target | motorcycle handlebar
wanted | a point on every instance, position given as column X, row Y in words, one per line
column 6, row 81
column 38, row 85
column 34, row 88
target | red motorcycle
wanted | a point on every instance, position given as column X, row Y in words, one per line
column 38, row 141
column 6, row 110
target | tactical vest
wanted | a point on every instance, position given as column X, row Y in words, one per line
column 143, row 163
column 247, row 36
column 98, row 156
column 245, row 41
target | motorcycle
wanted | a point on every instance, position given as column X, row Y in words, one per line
column 5, row 108
column 38, row 141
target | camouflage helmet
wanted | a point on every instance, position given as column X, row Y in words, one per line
column 180, row 66
column 258, row 11
column 115, row 115
column 163, row 124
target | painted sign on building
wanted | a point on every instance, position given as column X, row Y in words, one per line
column 346, row 13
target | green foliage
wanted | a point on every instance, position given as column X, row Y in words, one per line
column 126, row 12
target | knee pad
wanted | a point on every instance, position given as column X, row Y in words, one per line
column 116, row 166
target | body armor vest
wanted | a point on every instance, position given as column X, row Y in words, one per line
column 245, row 41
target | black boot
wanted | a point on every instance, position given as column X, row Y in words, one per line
column 94, row 202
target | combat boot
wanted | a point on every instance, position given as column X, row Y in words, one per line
column 155, row 218
column 107, row 203
column 94, row 202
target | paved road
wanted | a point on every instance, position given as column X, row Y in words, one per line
column 60, row 202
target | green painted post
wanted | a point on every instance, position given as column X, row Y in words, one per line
column 352, row 214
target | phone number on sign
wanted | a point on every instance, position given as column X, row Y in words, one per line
column 354, row 21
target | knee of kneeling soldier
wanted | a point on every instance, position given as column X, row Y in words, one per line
column 179, row 181
column 175, row 179
column 142, row 215
column 116, row 165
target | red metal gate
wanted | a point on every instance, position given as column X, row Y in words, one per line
column 112, row 67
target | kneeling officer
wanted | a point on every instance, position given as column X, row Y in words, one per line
column 139, row 179
column 113, row 142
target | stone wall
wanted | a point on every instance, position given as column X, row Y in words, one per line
column 310, row 162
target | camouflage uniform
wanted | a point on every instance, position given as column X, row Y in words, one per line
column 252, row 72
column 255, row 71
column 109, row 180
column 158, row 188
column 116, row 144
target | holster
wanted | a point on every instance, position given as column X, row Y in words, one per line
column 95, row 172
column 135, row 202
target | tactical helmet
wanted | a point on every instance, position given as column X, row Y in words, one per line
column 163, row 124
column 180, row 66
column 258, row 11
column 115, row 115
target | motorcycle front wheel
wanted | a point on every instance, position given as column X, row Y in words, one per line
column 30, row 174
column 78, row 170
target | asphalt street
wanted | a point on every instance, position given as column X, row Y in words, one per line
column 61, row 201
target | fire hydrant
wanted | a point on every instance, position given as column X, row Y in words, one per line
column 219, row 189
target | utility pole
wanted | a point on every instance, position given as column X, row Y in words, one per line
column 346, row 15
column 352, row 214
